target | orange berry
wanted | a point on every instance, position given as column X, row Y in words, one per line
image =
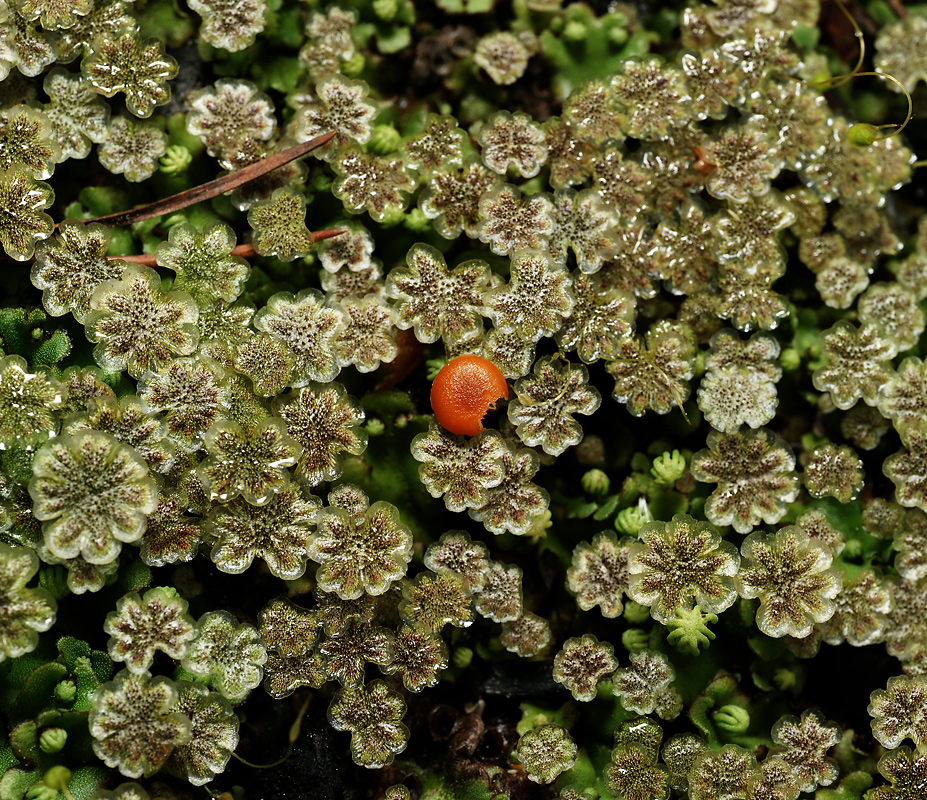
column 464, row 390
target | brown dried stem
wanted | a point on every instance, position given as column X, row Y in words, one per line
column 207, row 191
column 242, row 250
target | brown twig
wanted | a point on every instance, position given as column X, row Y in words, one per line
column 207, row 191
column 242, row 250
column 898, row 8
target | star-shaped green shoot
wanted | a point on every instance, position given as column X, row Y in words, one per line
column 230, row 24
column 71, row 264
column 203, row 262
column 280, row 225
column 437, row 302
column 140, row 625
column 24, row 613
column 22, row 219
column 791, row 575
column 546, row 751
column 326, row 421
column 277, row 532
column 680, row 563
column 134, row 725
column 373, row 714
column 127, row 63
column 93, row 493
column 360, row 553
column 251, row 463
column 30, row 400
column 231, row 654
column 546, row 402
column 137, row 327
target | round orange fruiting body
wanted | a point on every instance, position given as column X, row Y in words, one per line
column 464, row 390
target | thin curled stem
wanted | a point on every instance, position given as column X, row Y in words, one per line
column 907, row 95
column 840, row 80
column 242, row 250
column 295, row 729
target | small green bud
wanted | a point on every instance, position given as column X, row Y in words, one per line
column 618, row 35
column 386, row 9
column 733, row 719
column 862, row 134
column 462, row 657
column 539, row 525
column 65, row 692
column 634, row 639
column 53, row 740
column 785, row 679
column 636, row 613
column 416, row 221
column 375, row 427
column 852, row 549
column 39, row 791
column 575, row 31
column 320, row 183
column 631, row 520
column 172, row 220
column 354, row 65
column 668, row 468
column 434, row 366
column 806, row 36
column 596, row 482
column 385, row 139
column 57, row 778
column 176, row 159
column 83, row 666
column 790, row 359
